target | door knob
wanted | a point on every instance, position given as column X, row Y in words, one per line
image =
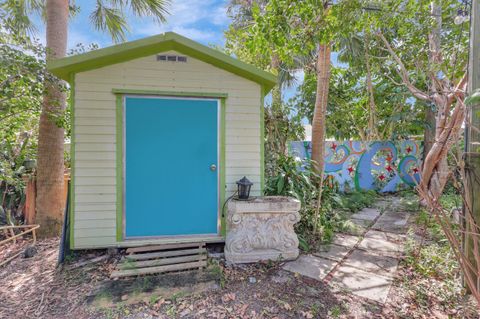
column 213, row 167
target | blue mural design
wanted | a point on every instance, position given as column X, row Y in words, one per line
column 384, row 166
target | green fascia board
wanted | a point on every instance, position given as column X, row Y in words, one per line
column 71, row 211
column 63, row 67
column 262, row 141
column 119, row 166
column 169, row 93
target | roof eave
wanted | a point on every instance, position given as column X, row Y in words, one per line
column 64, row 67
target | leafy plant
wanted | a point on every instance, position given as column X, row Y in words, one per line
column 355, row 201
column 296, row 178
column 436, row 272
column 22, row 74
column 292, row 178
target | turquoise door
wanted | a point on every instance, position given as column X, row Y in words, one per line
column 170, row 166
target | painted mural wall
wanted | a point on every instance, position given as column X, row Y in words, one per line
column 384, row 166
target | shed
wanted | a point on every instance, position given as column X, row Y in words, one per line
column 162, row 128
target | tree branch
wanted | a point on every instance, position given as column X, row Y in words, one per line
column 403, row 71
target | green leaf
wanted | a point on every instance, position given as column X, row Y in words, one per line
column 474, row 98
column 280, row 185
column 303, row 244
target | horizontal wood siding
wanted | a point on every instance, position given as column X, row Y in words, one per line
column 95, row 129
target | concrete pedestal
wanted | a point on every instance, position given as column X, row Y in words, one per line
column 262, row 229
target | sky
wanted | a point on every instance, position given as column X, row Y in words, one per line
column 200, row 20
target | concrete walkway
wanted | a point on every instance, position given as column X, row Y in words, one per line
column 364, row 260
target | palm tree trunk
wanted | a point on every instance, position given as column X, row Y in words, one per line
column 50, row 169
column 318, row 123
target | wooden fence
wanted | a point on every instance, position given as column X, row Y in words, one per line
column 31, row 195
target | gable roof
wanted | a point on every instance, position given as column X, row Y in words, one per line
column 64, row 67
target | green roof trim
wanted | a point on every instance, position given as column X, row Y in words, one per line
column 64, row 67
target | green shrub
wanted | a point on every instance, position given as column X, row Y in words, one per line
column 355, row 201
column 297, row 179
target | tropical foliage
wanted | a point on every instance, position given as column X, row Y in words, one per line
column 22, row 74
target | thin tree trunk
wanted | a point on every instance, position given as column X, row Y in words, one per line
column 50, row 169
column 319, row 114
column 277, row 90
column 429, row 134
column 436, row 120
column 372, row 133
column 434, row 57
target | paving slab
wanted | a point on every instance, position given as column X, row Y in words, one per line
column 386, row 243
column 399, row 227
column 362, row 283
column 382, row 204
column 310, row 266
column 367, row 214
column 356, row 227
column 396, row 222
column 395, row 215
column 365, row 223
column 372, row 262
column 345, row 240
column 332, row 251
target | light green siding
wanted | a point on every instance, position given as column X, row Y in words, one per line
column 96, row 128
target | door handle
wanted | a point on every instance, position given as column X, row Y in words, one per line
column 213, row 167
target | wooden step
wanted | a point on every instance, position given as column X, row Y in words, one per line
column 156, row 259
column 158, row 269
column 168, row 253
column 161, row 262
column 163, row 247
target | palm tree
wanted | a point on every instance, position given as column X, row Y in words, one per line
column 109, row 16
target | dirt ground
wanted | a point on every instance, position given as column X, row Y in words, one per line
column 35, row 288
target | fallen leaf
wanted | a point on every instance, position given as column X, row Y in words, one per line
column 307, row 314
column 228, row 297
column 242, row 309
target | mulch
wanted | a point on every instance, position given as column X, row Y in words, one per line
column 35, row 288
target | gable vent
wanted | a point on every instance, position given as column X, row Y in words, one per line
column 172, row 58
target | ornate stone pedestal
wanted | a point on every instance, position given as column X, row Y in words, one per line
column 262, row 229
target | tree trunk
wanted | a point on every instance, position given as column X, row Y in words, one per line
column 434, row 57
column 372, row 133
column 277, row 89
column 50, row 168
column 321, row 99
column 318, row 123
column 429, row 134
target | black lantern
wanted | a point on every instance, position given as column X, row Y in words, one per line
column 244, row 186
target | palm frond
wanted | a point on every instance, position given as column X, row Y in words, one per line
column 350, row 48
column 15, row 15
column 157, row 9
column 111, row 20
column 286, row 78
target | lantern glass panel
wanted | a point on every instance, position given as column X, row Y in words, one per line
column 244, row 186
